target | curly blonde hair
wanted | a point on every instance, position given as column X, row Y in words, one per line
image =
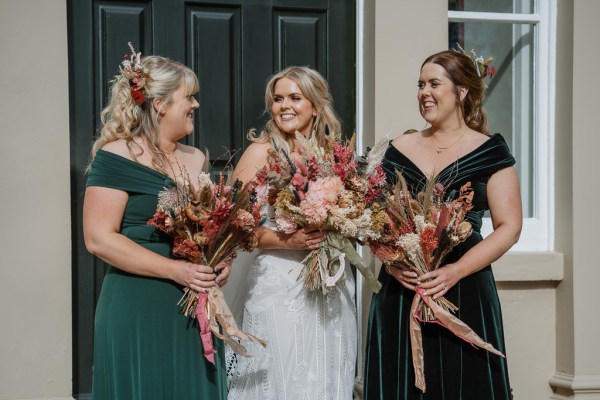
column 124, row 119
column 316, row 90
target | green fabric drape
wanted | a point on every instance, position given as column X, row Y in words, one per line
column 144, row 348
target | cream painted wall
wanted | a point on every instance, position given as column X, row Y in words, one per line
column 586, row 142
column 577, row 373
column 406, row 33
column 35, row 275
column 564, row 180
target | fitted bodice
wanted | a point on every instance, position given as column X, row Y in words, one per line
column 475, row 167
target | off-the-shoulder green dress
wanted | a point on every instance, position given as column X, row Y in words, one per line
column 454, row 369
column 144, row 348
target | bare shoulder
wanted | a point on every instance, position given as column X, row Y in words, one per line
column 118, row 147
column 407, row 139
column 193, row 156
column 475, row 139
column 256, row 155
column 258, row 149
column 254, row 158
column 134, row 150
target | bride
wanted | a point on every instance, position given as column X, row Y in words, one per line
column 312, row 343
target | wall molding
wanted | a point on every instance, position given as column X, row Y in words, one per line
column 568, row 386
column 529, row 266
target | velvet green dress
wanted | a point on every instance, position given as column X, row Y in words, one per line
column 144, row 348
column 454, row 369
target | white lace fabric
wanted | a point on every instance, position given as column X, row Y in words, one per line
column 312, row 338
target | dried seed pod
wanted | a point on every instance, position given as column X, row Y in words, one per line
column 191, row 215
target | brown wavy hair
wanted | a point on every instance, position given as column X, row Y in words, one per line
column 462, row 71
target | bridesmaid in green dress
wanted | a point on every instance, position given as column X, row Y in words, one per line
column 144, row 348
column 456, row 148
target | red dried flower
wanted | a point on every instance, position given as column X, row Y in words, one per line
column 159, row 220
column 376, row 184
column 137, row 96
column 428, row 239
column 211, row 229
column 187, row 249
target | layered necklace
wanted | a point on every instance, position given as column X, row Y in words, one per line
column 172, row 161
column 439, row 149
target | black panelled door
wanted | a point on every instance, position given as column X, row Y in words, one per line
column 234, row 47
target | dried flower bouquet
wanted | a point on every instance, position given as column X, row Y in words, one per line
column 322, row 187
column 209, row 223
column 419, row 233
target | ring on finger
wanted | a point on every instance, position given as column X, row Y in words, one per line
column 443, row 286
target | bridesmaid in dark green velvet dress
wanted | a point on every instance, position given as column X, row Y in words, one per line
column 144, row 348
column 456, row 148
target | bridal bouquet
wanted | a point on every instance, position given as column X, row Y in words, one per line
column 323, row 188
column 418, row 234
column 209, row 223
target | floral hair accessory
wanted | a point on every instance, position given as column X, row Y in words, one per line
column 135, row 73
column 483, row 65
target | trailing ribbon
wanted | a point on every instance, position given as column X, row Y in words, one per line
column 205, row 335
column 445, row 319
column 330, row 260
column 212, row 311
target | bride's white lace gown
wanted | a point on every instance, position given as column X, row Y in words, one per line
column 312, row 344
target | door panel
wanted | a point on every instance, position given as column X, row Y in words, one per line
column 300, row 38
column 220, row 76
column 234, row 47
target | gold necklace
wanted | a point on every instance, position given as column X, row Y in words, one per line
column 172, row 162
column 439, row 149
column 169, row 154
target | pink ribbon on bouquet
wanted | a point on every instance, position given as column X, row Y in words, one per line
column 445, row 319
column 204, row 324
column 212, row 311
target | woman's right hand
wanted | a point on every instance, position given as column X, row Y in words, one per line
column 408, row 279
column 197, row 277
column 305, row 239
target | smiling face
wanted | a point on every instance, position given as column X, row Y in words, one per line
column 292, row 111
column 438, row 102
column 178, row 116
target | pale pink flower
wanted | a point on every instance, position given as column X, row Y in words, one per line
column 299, row 181
column 243, row 220
column 322, row 194
column 286, row 225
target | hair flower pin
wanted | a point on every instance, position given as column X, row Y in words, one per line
column 132, row 69
column 483, row 65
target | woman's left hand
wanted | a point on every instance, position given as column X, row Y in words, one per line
column 222, row 270
column 437, row 283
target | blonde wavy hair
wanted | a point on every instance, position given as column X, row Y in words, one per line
column 316, row 90
column 124, row 119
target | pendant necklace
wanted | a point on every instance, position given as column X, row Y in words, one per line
column 173, row 160
column 439, row 149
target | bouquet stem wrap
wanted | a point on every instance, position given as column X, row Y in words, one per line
column 445, row 319
column 324, row 266
column 212, row 311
